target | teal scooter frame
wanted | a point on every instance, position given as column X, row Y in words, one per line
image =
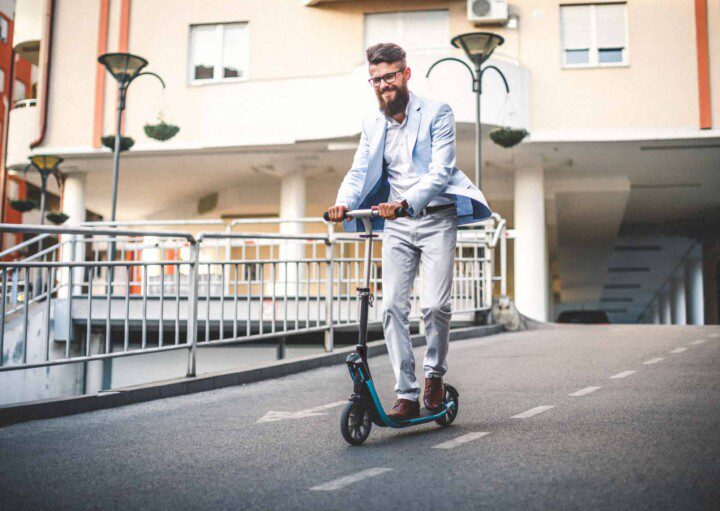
column 364, row 408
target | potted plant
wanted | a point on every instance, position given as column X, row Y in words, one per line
column 22, row 205
column 57, row 217
column 508, row 137
column 161, row 130
column 125, row 142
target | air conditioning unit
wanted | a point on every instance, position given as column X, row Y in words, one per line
column 487, row 11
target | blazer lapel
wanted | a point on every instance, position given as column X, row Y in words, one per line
column 377, row 150
column 413, row 124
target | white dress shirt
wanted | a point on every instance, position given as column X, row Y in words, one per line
column 401, row 174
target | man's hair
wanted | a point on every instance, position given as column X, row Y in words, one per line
column 386, row 52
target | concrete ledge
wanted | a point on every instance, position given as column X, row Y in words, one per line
column 57, row 407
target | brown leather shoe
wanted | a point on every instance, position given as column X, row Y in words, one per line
column 434, row 393
column 404, row 409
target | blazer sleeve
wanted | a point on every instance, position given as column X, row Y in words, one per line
column 352, row 185
column 442, row 161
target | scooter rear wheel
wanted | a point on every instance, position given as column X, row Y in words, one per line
column 355, row 422
column 451, row 395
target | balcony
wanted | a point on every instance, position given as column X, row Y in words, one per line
column 28, row 28
column 23, row 130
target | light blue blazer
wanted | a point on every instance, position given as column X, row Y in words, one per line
column 431, row 140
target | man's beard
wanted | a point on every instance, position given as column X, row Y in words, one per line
column 396, row 105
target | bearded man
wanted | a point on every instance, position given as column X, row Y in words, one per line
column 407, row 154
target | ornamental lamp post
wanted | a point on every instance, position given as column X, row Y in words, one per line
column 46, row 165
column 124, row 67
column 478, row 47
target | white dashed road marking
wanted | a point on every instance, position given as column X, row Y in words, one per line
column 337, row 484
column 586, row 390
column 622, row 375
column 678, row 350
column 699, row 341
column 463, row 439
column 532, row 411
column 272, row 416
column 654, row 360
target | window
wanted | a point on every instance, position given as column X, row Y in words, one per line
column 4, row 30
column 2, row 81
column 594, row 35
column 413, row 30
column 218, row 52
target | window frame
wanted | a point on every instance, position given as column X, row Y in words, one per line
column 218, row 67
column 594, row 51
column 401, row 25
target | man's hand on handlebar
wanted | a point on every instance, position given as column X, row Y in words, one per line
column 387, row 209
column 337, row 213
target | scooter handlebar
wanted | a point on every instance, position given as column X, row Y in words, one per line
column 366, row 213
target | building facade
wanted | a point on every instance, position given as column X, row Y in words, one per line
column 18, row 89
column 613, row 197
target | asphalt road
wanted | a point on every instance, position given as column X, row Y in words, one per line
column 648, row 439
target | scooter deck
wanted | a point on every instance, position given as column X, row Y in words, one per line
column 425, row 416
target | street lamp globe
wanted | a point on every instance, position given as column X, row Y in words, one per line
column 123, row 66
column 478, row 46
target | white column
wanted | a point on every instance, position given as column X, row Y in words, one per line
column 74, row 207
column 531, row 260
column 695, row 293
column 677, row 299
column 655, row 312
column 292, row 205
column 664, row 305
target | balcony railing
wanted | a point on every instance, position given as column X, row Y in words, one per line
column 168, row 290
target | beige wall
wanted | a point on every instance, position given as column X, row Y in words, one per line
column 72, row 78
column 657, row 89
column 714, row 41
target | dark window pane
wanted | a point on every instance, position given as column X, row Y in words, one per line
column 230, row 72
column 610, row 55
column 203, row 72
column 577, row 56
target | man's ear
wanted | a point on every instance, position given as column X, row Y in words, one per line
column 407, row 73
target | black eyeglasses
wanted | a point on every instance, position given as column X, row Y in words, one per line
column 388, row 78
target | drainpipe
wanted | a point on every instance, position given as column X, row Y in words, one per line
column 50, row 15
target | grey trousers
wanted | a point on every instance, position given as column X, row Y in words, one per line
column 407, row 242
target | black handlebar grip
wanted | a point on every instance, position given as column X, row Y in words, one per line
column 326, row 215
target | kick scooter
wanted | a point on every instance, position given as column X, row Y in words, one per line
column 364, row 408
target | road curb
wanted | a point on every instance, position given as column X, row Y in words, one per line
column 58, row 407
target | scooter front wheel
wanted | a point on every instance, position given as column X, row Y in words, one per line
column 451, row 395
column 355, row 422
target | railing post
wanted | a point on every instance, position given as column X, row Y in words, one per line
column 503, row 261
column 329, row 314
column 490, row 268
column 193, row 307
column 280, row 351
column 480, row 252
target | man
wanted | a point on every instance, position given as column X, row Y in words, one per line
column 407, row 154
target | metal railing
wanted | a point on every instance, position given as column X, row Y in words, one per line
column 169, row 290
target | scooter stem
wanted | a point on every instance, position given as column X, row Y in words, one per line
column 364, row 293
column 368, row 250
